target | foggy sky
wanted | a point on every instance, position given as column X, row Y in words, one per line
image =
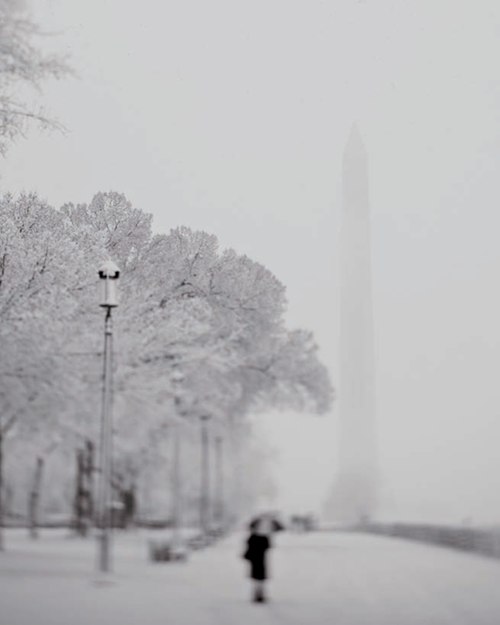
column 232, row 118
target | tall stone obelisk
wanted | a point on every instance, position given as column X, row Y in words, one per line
column 354, row 494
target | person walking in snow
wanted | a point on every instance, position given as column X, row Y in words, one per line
column 257, row 545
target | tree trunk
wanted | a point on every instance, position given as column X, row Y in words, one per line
column 35, row 498
column 79, row 505
column 88, row 481
column 2, row 546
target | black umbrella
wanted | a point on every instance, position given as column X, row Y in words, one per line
column 276, row 526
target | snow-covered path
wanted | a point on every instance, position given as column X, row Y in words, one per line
column 323, row 578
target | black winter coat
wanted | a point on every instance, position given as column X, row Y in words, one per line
column 257, row 546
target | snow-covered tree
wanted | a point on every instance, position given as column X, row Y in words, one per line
column 23, row 69
column 216, row 319
column 37, row 272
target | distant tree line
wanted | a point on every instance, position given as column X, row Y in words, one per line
column 199, row 331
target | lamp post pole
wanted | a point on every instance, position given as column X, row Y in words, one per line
column 176, row 490
column 109, row 274
column 205, row 476
column 219, row 497
column 1, row 489
column 105, row 508
column 177, row 379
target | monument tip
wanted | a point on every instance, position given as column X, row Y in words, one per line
column 355, row 141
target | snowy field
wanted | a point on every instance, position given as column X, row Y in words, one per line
column 322, row 578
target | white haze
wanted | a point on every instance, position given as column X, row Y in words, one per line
column 232, row 117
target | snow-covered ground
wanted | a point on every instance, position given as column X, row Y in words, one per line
column 321, row 578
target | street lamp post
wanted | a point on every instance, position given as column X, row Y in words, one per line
column 219, row 475
column 205, row 476
column 236, row 477
column 108, row 274
column 177, row 379
column 176, row 487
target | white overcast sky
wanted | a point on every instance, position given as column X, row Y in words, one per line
column 231, row 117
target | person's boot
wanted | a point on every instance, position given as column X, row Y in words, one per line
column 259, row 596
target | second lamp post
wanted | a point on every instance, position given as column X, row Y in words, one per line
column 205, row 477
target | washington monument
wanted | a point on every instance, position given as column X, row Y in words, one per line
column 354, row 493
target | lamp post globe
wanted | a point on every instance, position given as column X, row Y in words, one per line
column 109, row 274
